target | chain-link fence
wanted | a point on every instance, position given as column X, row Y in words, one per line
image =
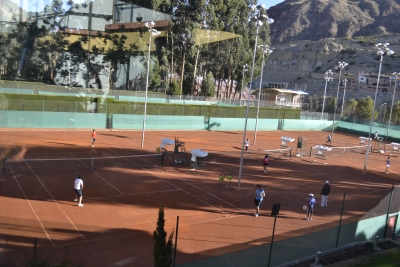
column 237, row 239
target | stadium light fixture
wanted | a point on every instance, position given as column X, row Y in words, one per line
column 328, row 77
column 258, row 15
column 266, row 51
column 382, row 50
column 153, row 32
column 340, row 66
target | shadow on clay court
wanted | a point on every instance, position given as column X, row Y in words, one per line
column 113, row 135
column 64, row 144
column 293, row 175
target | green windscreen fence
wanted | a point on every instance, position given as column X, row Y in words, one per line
column 64, row 120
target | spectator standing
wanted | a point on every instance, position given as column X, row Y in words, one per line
column 326, row 189
column 310, row 209
column 78, row 186
column 376, row 135
column 260, row 194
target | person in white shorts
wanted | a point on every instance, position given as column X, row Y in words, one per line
column 78, row 186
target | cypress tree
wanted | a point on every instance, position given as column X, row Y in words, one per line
column 162, row 250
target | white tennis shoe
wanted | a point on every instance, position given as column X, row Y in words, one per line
column 80, row 205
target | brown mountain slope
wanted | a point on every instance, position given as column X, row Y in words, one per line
column 317, row 19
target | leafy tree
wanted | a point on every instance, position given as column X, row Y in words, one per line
column 162, row 250
column 116, row 55
column 224, row 59
column 349, row 108
column 364, row 108
column 396, row 113
column 208, row 85
column 174, row 88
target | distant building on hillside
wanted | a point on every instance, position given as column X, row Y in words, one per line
column 281, row 98
column 365, row 82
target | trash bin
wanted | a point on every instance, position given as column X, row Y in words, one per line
column 275, row 209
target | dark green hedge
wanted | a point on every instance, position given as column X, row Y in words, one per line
column 22, row 102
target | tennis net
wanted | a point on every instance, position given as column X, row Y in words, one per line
column 81, row 163
column 280, row 152
column 338, row 151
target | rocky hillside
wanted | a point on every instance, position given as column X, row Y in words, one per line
column 318, row 19
column 310, row 37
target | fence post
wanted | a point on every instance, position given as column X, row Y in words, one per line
column 34, row 249
column 42, row 105
column 76, row 106
column 388, row 211
column 176, row 238
column 272, row 241
column 340, row 221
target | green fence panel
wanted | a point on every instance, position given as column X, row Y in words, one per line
column 237, row 124
column 306, row 125
column 37, row 119
column 155, row 122
column 363, row 130
column 16, row 91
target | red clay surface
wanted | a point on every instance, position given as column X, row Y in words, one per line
column 122, row 196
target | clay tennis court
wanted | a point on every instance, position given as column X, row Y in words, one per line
column 122, row 196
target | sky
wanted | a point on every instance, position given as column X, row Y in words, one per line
column 270, row 3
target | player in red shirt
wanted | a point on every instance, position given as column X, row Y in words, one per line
column 94, row 136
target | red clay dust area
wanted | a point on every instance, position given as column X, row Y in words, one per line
column 125, row 185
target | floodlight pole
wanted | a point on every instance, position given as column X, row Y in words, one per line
column 247, row 112
column 266, row 50
column 327, row 78
column 151, row 33
column 382, row 49
column 344, row 93
column 391, row 108
column 243, row 72
column 341, row 66
column 257, row 17
column 380, row 115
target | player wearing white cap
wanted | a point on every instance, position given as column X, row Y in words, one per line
column 310, row 209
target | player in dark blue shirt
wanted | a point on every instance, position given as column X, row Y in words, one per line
column 260, row 194
column 310, row 209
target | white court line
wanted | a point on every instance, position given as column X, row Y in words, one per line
column 194, row 187
column 164, row 179
column 99, row 176
column 55, row 201
column 30, row 205
column 134, row 194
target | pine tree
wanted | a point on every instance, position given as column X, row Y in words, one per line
column 162, row 250
column 208, row 85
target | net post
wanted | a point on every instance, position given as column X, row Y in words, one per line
column 4, row 166
column 344, row 151
column 290, row 152
column 310, row 151
column 176, row 239
column 92, row 164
